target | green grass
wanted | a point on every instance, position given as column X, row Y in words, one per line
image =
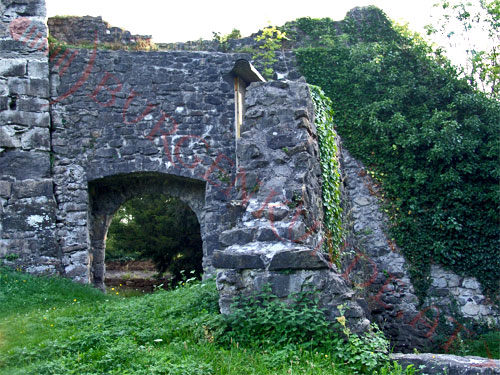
column 486, row 345
column 53, row 326
column 20, row 293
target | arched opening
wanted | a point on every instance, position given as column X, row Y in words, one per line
column 152, row 214
column 153, row 240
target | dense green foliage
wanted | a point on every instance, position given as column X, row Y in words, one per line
column 373, row 27
column 431, row 140
column 160, row 228
column 481, row 337
column 224, row 39
column 330, row 168
column 77, row 330
column 263, row 321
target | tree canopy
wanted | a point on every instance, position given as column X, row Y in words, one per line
column 160, row 228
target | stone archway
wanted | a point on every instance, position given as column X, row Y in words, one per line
column 107, row 194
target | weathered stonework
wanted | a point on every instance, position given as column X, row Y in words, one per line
column 78, row 30
column 84, row 133
column 27, row 206
column 378, row 268
column 463, row 295
column 168, row 113
column 375, row 265
column 439, row 364
column 276, row 238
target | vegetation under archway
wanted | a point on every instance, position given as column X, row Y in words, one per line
column 161, row 228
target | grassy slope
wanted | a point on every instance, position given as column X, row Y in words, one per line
column 52, row 326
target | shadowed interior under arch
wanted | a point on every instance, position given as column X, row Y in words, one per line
column 106, row 195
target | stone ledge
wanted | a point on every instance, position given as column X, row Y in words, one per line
column 299, row 259
column 222, row 259
column 270, row 256
column 438, row 364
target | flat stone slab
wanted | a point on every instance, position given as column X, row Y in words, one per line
column 298, row 259
column 438, row 364
column 223, row 259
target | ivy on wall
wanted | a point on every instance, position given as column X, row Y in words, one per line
column 330, row 168
column 431, row 139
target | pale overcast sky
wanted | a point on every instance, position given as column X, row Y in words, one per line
column 182, row 20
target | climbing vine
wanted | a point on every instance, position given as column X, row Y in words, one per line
column 431, row 140
column 330, row 168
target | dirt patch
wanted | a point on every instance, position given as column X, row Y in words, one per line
column 131, row 265
column 140, row 275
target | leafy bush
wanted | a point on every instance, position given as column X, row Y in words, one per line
column 263, row 321
column 270, row 39
column 433, row 142
column 458, row 335
column 224, row 39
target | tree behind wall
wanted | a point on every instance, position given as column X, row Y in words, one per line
column 160, row 228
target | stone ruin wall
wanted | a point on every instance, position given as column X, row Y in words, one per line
column 84, row 30
column 376, row 266
column 277, row 236
column 161, row 113
column 27, row 205
column 72, row 152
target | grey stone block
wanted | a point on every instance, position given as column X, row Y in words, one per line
column 239, row 236
column 4, row 103
column 280, row 285
column 33, row 188
column 266, row 234
column 438, row 364
column 281, row 141
column 8, row 138
column 38, row 68
column 106, row 153
column 31, row 104
column 24, row 165
column 221, row 259
column 5, row 189
column 299, row 259
column 30, row 119
column 28, row 217
column 13, row 67
column 36, row 139
column 37, row 87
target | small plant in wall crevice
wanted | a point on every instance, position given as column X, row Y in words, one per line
column 271, row 38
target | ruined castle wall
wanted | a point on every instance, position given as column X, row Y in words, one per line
column 375, row 264
column 27, row 206
column 95, row 128
column 276, row 237
column 121, row 113
column 77, row 30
